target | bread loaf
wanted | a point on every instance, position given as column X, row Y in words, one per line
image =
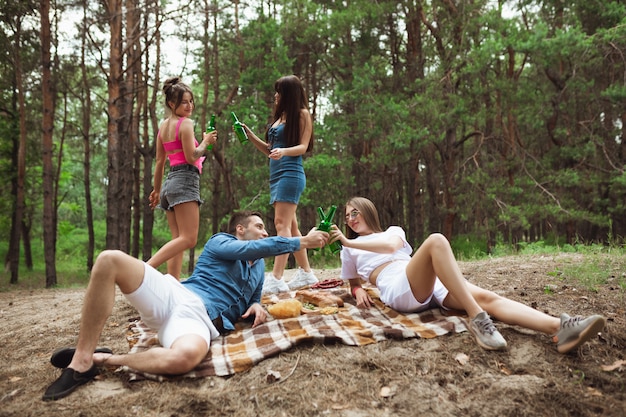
column 285, row 309
column 319, row 298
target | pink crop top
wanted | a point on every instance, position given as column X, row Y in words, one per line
column 178, row 158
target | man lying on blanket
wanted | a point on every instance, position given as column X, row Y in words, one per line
column 225, row 286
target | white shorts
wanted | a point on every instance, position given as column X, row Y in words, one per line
column 395, row 290
column 167, row 306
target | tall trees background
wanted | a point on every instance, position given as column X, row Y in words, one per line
column 500, row 121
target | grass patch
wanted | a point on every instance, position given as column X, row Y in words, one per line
column 599, row 269
column 69, row 275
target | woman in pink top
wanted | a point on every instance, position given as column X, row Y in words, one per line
column 180, row 195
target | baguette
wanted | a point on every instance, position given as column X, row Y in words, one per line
column 319, row 298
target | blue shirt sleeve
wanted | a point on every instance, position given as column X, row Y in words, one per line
column 223, row 246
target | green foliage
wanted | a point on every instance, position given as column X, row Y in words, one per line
column 615, row 93
column 323, row 192
column 266, row 57
column 467, row 248
column 511, row 126
column 72, row 241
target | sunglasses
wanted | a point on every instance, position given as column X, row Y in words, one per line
column 352, row 215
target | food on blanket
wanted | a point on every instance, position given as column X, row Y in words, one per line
column 309, row 308
column 319, row 298
column 285, row 309
column 329, row 310
column 328, row 283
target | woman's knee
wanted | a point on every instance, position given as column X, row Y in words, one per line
column 437, row 240
column 281, row 223
column 190, row 241
column 486, row 298
column 186, row 239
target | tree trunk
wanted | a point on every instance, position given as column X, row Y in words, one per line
column 28, row 253
column 16, row 229
column 86, row 131
column 119, row 172
column 149, row 141
column 432, row 187
column 136, row 90
column 47, row 125
column 449, row 158
column 414, row 72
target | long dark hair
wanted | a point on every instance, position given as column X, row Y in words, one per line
column 369, row 214
column 292, row 100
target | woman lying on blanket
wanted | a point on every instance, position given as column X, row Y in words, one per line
column 432, row 278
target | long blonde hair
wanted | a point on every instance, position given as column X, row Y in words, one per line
column 368, row 213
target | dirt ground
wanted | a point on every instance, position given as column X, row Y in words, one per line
column 446, row 376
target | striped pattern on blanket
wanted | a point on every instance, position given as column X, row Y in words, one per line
column 242, row 349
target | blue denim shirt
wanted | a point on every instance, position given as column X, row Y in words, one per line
column 230, row 272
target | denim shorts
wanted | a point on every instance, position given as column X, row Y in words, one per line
column 287, row 188
column 180, row 187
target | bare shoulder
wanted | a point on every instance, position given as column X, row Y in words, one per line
column 186, row 129
column 187, row 123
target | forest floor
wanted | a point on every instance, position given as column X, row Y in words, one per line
column 445, row 376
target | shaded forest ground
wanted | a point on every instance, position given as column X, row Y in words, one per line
column 445, row 376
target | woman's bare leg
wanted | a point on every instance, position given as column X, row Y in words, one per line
column 434, row 258
column 184, row 222
column 284, row 215
column 512, row 312
column 301, row 256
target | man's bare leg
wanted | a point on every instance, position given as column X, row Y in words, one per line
column 111, row 268
column 185, row 353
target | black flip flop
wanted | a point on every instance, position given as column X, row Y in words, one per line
column 62, row 357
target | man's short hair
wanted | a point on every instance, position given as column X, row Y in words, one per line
column 242, row 218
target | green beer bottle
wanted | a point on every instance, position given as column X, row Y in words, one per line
column 239, row 130
column 210, row 129
column 325, row 222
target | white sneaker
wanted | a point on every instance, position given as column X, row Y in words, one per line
column 273, row 285
column 302, row 279
column 485, row 333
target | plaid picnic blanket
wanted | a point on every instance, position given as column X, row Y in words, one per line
column 245, row 347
